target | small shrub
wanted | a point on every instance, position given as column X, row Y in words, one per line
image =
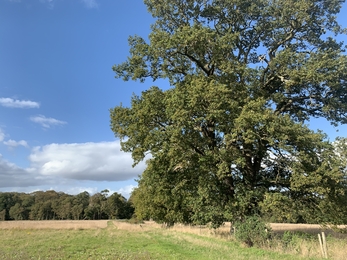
column 296, row 241
column 252, row 231
column 290, row 240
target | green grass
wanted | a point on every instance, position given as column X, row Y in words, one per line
column 113, row 243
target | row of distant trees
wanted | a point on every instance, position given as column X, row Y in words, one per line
column 50, row 205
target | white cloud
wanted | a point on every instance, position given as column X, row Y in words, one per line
column 15, row 103
column 46, row 122
column 2, row 135
column 72, row 168
column 13, row 143
column 13, row 176
column 90, row 3
column 77, row 190
column 86, row 161
column 126, row 191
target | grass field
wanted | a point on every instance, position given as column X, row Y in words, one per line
column 121, row 240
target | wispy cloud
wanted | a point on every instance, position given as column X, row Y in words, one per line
column 15, row 103
column 90, row 3
column 47, row 122
column 13, row 143
column 2, row 135
column 49, row 3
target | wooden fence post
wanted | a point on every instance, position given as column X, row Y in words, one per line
column 323, row 245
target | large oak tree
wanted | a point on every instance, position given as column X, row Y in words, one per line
column 229, row 138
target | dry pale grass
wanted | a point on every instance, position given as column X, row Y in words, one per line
column 223, row 232
column 336, row 241
column 309, row 228
column 310, row 247
column 147, row 225
column 54, row 224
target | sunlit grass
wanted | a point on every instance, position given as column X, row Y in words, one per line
column 119, row 240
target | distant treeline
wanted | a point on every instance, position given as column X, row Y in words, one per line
column 50, row 205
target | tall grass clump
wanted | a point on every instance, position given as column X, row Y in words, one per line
column 252, row 231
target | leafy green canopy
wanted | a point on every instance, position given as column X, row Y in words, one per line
column 229, row 139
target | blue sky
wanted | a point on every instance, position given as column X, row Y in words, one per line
column 56, row 89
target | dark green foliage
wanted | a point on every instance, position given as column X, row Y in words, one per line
column 49, row 205
column 229, row 138
column 117, row 207
column 7, row 200
column 252, row 231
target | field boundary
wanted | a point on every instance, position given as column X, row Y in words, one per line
column 53, row 224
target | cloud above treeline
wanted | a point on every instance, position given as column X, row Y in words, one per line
column 77, row 161
column 87, row 161
column 15, row 103
column 47, row 122
column 13, row 176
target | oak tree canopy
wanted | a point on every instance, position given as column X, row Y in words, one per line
column 229, row 138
